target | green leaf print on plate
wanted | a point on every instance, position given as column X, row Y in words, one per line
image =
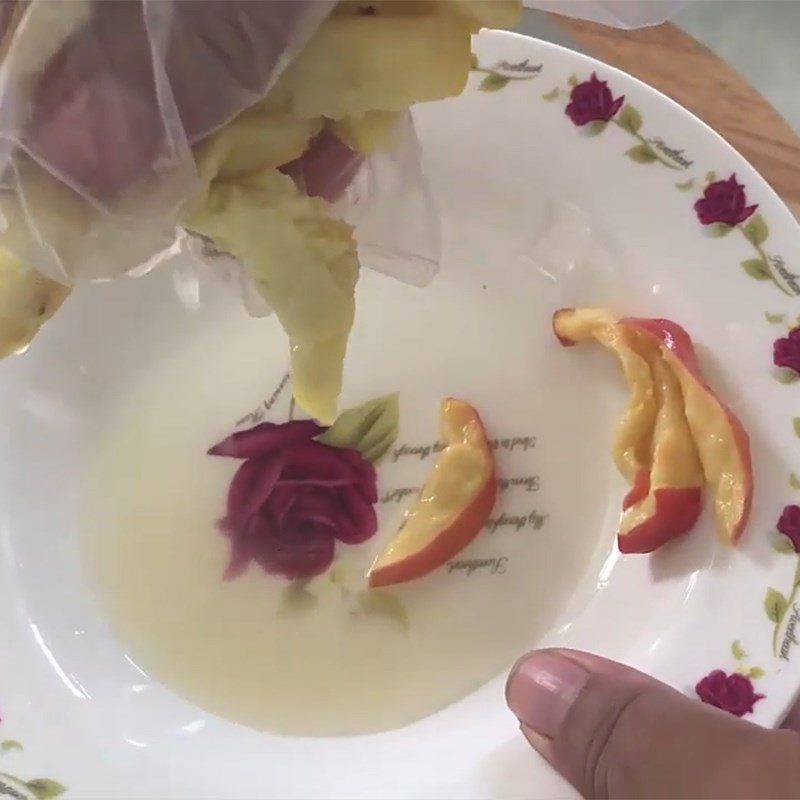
column 786, row 375
column 775, row 604
column 737, row 651
column 719, row 229
column 595, row 128
column 35, row 789
column 497, row 77
column 782, row 544
column 45, row 788
column 296, row 600
column 755, row 230
column 757, row 268
column 370, row 428
column 641, row 154
column 382, row 604
column 494, row 82
column 629, row 119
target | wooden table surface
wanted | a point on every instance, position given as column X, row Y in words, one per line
column 670, row 60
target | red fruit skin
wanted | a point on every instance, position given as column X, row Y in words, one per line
column 326, row 168
column 638, row 491
column 674, row 338
column 464, row 528
column 449, row 541
column 676, row 511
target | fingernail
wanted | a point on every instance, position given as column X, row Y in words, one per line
column 541, row 689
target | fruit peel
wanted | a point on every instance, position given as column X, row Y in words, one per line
column 672, row 513
column 444, row 519
column 632, row 438
column 710, row 443
column 672, row 501
column 722, row 442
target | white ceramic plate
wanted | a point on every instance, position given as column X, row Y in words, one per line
column 539, row 212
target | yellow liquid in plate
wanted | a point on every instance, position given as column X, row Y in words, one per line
column 155, row 559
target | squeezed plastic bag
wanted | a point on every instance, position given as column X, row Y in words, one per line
column 108, row 98
column 273, row 137
column 388, row 185
column 102, row 103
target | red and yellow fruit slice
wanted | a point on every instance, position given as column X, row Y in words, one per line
column 674, row 495
column 634, row 430
column 722, row 442
column 452, row 506
column 675, row 434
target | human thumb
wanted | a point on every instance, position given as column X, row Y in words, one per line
column 614, row 732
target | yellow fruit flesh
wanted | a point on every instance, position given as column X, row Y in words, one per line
column 302, row 262
column 722, row 462
column 27, row 301
column 675, row 462
column 653, row 433
column 476, row 13
column 260, row 138
column 633, row 434
column 487, row 13
column 579, row 324
column 357, row 64
column 457, row 477
column 675, row 459
column 359, row 70
column 368, row 132
column 718, row 441
column 458, row 423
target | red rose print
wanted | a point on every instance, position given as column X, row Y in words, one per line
column 786, row 351
column 725, row 202
column 293, row 497
column 789, row 525
column 592, row 101
column 732, row 693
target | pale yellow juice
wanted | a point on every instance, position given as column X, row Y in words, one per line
column 235, row 648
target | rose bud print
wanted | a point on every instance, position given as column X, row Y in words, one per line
column 723, row 202
column 732, row 693
column 789, row 525
column 592, row 101
column 786, row 351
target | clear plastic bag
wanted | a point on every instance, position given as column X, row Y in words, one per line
column 391, row 186
column 108, row 98
column 101, row 104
